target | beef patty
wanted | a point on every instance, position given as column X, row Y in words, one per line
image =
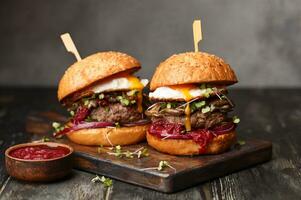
column 116, row 112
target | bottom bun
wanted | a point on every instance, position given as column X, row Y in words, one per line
column 109, row 136
column 218, row 145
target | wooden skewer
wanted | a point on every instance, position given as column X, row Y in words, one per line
column 68, row 42
column 197, row 33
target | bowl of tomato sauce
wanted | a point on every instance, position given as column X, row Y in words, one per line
column 45, row 161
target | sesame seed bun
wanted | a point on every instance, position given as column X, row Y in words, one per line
column 192, row 67
column 218, row 145
column 94, row 68
column 109, row 136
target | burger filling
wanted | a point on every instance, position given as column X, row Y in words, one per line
column 106, row 105
column 200, row 118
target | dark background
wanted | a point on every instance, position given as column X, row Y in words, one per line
column 261, row 39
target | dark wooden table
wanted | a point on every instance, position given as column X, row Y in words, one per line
column 270, row 114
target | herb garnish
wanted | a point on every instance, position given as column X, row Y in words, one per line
column 161, row 166
column 45, row 139
column 57, row 127
column 101, row 96
column 117, row 151
column 72, row 113
column 206, row 109
column 107, row 182
column 236, row 120
column 117, row 125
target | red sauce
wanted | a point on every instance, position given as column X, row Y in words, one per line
column 39, row 152
column 163, row 129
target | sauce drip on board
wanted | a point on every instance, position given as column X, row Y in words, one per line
column 39, row 152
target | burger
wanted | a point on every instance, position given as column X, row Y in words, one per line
column 189, row 108
column 104, row 100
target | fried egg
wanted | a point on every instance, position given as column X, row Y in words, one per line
column 179, row 92
column 127, row 82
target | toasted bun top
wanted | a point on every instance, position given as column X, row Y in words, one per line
column 94, row 68
column 192, row 67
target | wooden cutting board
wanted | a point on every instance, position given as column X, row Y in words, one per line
column 189, row 170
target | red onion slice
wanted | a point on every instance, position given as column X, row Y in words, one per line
column 83, row 125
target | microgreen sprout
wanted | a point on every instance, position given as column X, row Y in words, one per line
column 57, row 126
column 72, row 113
column 139, row 153
column 117, row 125
column 206, row 109
column 161, row 166
column 45, row 139
column 236, row 120
column 101, row 96
column 107, row 182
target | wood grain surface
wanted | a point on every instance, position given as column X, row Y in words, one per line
column 269, row 114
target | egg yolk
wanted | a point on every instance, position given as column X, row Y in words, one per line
column 185, row 90
column 137, row 85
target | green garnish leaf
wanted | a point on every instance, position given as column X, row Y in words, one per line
column 72, row 113
column 200, row 104
column 45, row 139
column 124, row 101
column 101, row 96
column 128, row 154
column 86, row 102
column 117, row 124
column 241, row 142
column 56, row 125
column 162, row 165
column 117, row 151
column 236, row 120
column 206, row 109
column 143, row 153
column 107, row 182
